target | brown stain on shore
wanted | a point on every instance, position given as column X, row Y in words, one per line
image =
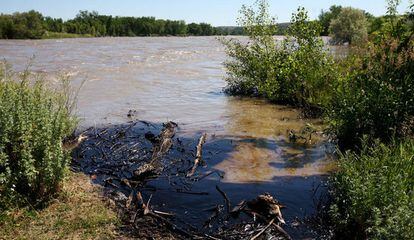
column 248, row 163
column 262, row 149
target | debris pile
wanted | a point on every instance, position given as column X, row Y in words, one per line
column 124, row 158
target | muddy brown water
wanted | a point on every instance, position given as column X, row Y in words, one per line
column 181, row 79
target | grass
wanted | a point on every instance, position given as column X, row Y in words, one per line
column 374, row 192
column 78, row 213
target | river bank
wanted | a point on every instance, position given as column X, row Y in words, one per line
column 187, row 198
column 181, row 79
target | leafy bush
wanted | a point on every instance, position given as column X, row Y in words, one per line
column 376, row 96
column 350, row 26
column 252, row 64
column 309, row 72
column 295, row 71
column 34, row 119
column 374, row 193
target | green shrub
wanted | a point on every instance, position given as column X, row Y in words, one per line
column 252, row 64
column 34, row 119
column 373, row 193
column 309, row 73
column 296, row 71
column 376, row 94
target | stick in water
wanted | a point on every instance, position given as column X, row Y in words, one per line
column 226, row 199
column 199, row 154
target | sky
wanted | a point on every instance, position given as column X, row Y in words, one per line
column 215, row 12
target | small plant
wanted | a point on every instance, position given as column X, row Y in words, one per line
column 34, row 120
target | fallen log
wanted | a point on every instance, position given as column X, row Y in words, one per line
column 198, row 155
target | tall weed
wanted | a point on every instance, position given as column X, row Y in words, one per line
column 34, row 120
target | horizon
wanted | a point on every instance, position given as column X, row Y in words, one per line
column 214, row 12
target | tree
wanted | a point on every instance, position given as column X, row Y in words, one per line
column 325, row 18
column 194, row 29
column 206, row 29
column 350, row 26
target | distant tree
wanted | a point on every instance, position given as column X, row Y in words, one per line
column 6, row 27
column 53, row 24
column 194, row 29
column 206, row 29
column 22, row 25
column 325, row 18
column 350, row 26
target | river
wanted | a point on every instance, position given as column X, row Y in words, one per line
column 181, row 79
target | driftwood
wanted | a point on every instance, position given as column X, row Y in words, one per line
column 109, row 182
column 216, row 212
column 161, row 147
column 198, row 155
column 115, row 154
column 145, row 210
column 226, row 199
column 263, row 218
column 146, row 170
column 130, row 200
column 238, row 208
column 263, row 230
column 164, row 213
column 71, row 143
column 208, row 174
column 191, row 193
column 267, row 206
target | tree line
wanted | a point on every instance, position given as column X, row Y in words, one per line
column 33, row 25
column 340, row 22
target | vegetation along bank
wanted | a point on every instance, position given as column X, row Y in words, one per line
column 366, row 98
